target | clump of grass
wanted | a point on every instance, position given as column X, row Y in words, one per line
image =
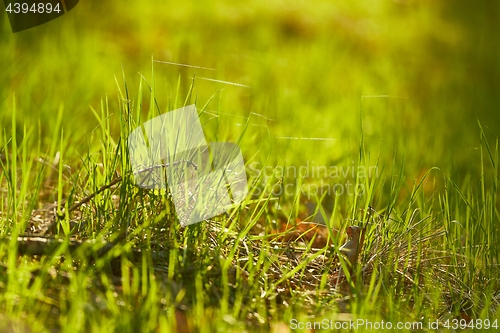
column 426, row 255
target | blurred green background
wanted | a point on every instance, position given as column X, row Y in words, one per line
column 402, row 83
column 308, row 65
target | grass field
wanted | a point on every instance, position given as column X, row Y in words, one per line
column 378, row 114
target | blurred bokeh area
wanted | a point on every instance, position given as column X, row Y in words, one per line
column 414, row 77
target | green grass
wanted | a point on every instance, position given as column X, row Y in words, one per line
column 405, row 90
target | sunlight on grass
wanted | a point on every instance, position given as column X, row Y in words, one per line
column 382, row 116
